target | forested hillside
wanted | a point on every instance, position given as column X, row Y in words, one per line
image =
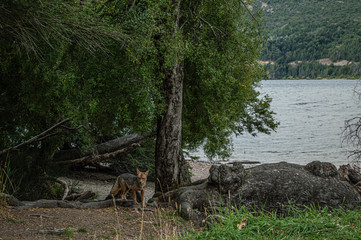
column 312, row 39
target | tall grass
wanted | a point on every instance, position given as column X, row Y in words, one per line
column 309, row 223
column 7, row 174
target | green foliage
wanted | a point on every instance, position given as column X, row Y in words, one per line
column 309, row 223
column 307, row 31
column 69, row 234
column 221, row 74
column 69, row 81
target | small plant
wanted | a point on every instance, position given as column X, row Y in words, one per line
column 69, row 233
column 83, row 230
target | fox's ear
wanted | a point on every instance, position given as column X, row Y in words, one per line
column 138, row 171
column 146, row 173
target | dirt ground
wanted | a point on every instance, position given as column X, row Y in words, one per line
column 108, row 223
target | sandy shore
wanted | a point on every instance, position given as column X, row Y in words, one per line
column 101, row 183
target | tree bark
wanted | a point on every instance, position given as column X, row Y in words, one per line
column 170, row 166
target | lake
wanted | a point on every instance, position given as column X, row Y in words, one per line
column 311, row 115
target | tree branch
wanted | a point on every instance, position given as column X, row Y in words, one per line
column 99, row 158
column 210, row 26
column 250, row 13
column 36, row 138
column 351, row 134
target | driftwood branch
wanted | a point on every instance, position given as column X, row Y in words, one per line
column 83, row 161
column 52, row 232
column 107, row 147
column 78, row 197
column 84, row 204
column 11, row 200
column 66, row 188
column 39, row 137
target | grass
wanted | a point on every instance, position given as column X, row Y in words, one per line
column 12, row 220
column 84, row 230
column 69, row 234
column 309, row 223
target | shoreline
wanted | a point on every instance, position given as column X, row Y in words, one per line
column 101, row 183
column 309, row 79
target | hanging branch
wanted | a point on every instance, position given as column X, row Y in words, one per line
column 250, row 13
column 47, row 133
column 210, row 26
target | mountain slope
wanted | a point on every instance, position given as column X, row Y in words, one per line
column 310, row 39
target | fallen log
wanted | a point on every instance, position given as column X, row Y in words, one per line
column 80, row 204
column 52, row 232
column 10, row 200
column 44, row 203
column 107, row 147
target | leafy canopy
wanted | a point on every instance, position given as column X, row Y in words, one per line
column 219, row 42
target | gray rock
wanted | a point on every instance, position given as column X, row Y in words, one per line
column 226, row 178
column 276, row 185
column 269, row 186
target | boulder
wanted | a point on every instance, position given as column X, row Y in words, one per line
column 269, row 186
column 276, row 185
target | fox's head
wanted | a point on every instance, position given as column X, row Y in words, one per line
column 142, row 177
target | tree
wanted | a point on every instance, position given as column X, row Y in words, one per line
column 204, row 56
column 170, row 165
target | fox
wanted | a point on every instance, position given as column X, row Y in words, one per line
column 128, row 181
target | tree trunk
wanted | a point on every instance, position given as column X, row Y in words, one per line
column 170, row 166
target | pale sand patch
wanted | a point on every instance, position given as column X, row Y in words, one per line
column 102, row 183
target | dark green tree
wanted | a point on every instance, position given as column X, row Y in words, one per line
column 204, row 56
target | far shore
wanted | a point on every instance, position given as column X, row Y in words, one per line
column 312, row 79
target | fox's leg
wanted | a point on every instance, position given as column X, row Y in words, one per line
column 124, row 190
column 135, row 196
column 124, row 195
column 142, row 197
column 114, row 191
